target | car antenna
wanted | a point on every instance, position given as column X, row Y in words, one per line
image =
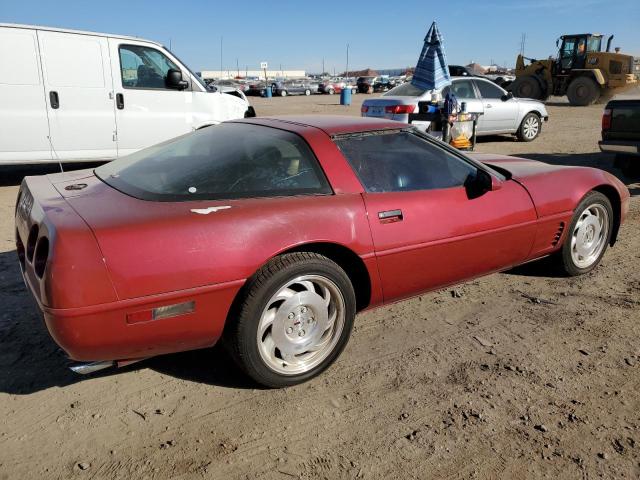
column 55, row 153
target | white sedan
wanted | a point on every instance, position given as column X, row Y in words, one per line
column 501, row 112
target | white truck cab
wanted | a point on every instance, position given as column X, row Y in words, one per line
column 68, row 95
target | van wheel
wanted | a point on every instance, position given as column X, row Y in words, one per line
column 293, row 321
column 583, row 91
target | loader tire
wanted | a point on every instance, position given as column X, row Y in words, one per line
column 583, row 91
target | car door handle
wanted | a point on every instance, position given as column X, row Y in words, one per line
column 119, row 101
column 390, row 216
column 54, row 100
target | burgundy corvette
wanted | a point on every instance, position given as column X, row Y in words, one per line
column 272, row 233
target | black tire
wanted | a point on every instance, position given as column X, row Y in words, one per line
column 583, row 91
column 564, row 257
column 354, row 91
column 530, row 127
column 307, row 92
column 283, row 93
column 242, row 327
column 331, row 91
column 526, row 87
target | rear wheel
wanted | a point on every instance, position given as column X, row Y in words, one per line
column 331, row 91
column 529, row 128
column 583, row 91
column 294, row 320
column 283, row 93
column 526, row 87
column 588, row 235
column 307, row 92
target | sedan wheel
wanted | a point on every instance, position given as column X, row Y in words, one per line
column 283, row 93
column 588, row 235
column 331, row 91
column 529, row 128
column 307, row 92
column 295, row 318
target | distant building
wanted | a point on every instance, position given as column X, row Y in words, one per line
column 217, row 74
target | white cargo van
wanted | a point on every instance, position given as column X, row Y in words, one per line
column 74, row 96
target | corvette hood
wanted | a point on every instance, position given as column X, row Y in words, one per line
column 555, row 189
column 519, row 168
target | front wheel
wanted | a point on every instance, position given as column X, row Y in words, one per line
column 583, row 91
column 529, row 128
column 307, row 92
column 293, row 321
column 331, row 91
column 588, row 235
column 283, row 93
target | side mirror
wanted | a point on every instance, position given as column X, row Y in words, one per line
column 174, row 80
column 481, row 183
column 507, row 96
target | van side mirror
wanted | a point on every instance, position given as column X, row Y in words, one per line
column 174, row 80
column 507, row 96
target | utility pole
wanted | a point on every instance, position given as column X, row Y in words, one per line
column 220, row 56
column 237, row 67
column 346, row 72
column 523, row 41
column 323, row 66
column 170, row 44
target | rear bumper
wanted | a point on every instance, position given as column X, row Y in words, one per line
column 104, row 332
column 618, row 146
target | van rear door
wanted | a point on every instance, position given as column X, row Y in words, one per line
column 78, row 92
column 148, row 112
column 24, row 129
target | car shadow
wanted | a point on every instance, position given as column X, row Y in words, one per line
column 30, row 361
column 11, row 175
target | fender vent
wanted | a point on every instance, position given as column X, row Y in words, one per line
column 558, row 235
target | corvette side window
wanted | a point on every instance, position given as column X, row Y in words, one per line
column 402, row 161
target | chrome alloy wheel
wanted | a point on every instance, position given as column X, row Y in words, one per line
column 301, row 324
column 531, row 127
column 589, row 235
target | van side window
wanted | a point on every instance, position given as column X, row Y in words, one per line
column 144, row 67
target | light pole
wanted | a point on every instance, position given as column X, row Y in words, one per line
column 347, row 70
column 220, row 56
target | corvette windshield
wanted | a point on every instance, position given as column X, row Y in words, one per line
column 231, row 160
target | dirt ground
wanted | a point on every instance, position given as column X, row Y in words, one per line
column 516, row 375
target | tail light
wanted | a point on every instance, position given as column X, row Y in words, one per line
column 20, row 249
column 364, row 109
column 399, row 109
column 606, row 119
column 31, row 242
column 41, row 256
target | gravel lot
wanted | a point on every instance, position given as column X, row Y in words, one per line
column 482, row 381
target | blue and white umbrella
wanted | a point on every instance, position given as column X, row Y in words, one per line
column 432, row 71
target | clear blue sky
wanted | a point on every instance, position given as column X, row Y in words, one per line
column 298, row 34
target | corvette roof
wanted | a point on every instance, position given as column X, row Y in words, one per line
column 330, row 124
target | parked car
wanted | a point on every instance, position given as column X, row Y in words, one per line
column 501, row 113
column 256, row 89
column 383, row 84
column 335, row 86
column 621, row 132
column 91, row 96
column 294, row 87
column 223, row 234
column 365, row 84
column 231, row 83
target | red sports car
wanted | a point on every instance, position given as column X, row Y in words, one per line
column 272, row 233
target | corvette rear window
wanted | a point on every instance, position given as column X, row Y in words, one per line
column 231, row 160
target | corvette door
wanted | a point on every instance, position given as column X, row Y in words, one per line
column 428, row 229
